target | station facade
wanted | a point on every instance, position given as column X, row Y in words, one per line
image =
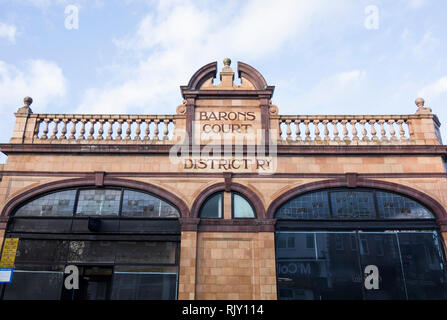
column 226, row 199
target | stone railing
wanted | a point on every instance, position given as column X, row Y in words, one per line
column 421, row 128
column 358, row 129
column 346, row 129
column 96, row 129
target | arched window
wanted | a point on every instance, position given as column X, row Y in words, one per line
column 241, row 208
column 98, row 202
column 326, row 239
column 352, row 204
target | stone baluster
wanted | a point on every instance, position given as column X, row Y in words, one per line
column 364, row 132
column 354, row 131
column 82, row 131
column 138, row 130
column 129, row 128
column 400, row 123
column 345, row 130
column 156, row 138
column 73, row 129
column 110, row 130
column 166, row 130
column 101, row 129
column 288, row 130
column 392, row 131
column 119, row 130
column 307, row 130
column 92, row 129
column 36, row 129
column 45, row 129
column 326, row 130
column 336, row 134
column 55, row 129
column 382, row 130
column 147, row 130
column 317, row 131
column 297, row 130
column 373, row 130
column 64, row 130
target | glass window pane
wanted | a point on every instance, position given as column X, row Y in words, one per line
column 54, row 204
column 146, row 252
column 394, row 206
column 212, row 207
column 313, row 205
column 352, row 205
column 242, row 208
column 34, row 285
column 318, row 272
column 139, row 204
column 144, row 286
column 391, row 282
column 423, row 265
column 99, row 202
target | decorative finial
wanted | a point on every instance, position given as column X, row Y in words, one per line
column 420, row 102
column 227, row 62
column 28, row 101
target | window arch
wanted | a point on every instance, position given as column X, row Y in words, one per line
column 213, row 207
column 359, row 203
column 108, row 202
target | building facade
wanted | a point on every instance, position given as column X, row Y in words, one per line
column 226, row 199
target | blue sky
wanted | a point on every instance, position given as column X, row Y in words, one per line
column 131, row 56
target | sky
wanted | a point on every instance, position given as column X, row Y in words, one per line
column 131, row 56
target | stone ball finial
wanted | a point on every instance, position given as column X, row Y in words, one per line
column 28, row 101
column 227, row 62
column 420, row 102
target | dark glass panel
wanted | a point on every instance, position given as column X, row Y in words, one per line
column 144, row 286
column 41, row 251
column 92, row 251
column 212, row 208
column 391, row 282
column 54, row 204
column 242, row 208
column 146, row 252
column 319, row 273
column 34, row 285
column 394, row 206
column 138, row 204
column 352, row 205
column 101, row 202
column 313, row 205
column 423, row 265
column 339, row 276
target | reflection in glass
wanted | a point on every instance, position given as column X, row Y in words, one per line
column 99, row 202
column 34, row 285
column 54, row 204
column 352, row 205
column 312, row 205
column 241, row 207
column 139, row 204
column 394, row 206
column 212, row 207
column 144, row 286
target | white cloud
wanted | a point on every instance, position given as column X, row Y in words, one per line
column 416, row 4
column 335, row 90
column 434, row 90
column 181, row 36
column 40, row 79
column 8, row 31
column 426, row 45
